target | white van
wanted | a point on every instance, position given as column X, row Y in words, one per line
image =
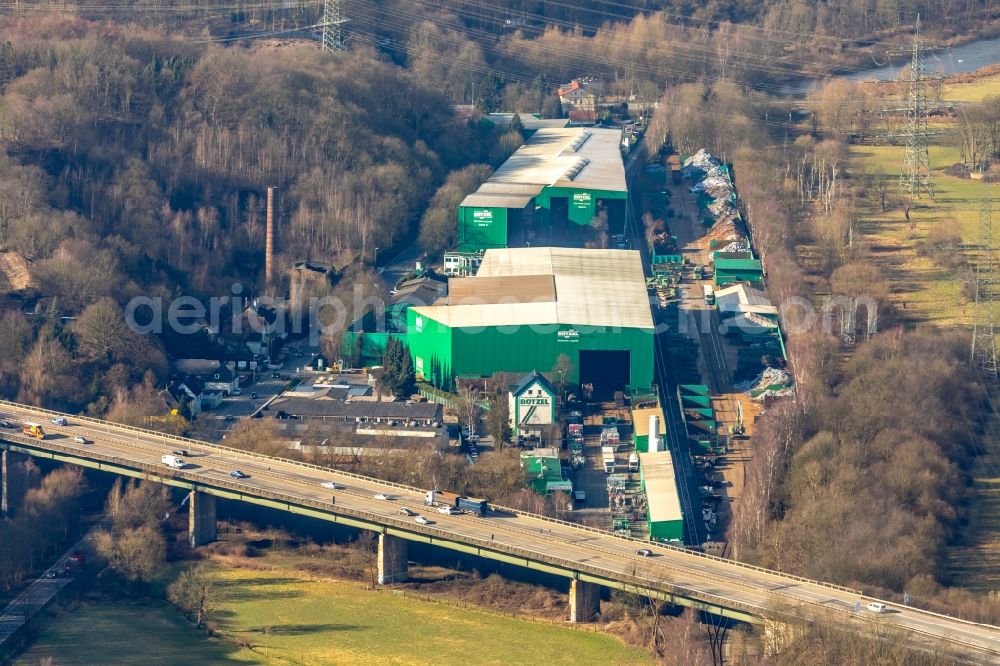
column 876, row 607
column 173, row 461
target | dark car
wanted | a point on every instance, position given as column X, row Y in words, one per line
column 181, row 452
column 275, row 375
column 253, row 396
column 4, row 423
column 237, row 474
column 644, row 552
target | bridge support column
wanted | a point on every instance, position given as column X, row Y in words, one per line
column 392, row 564
column 4, row 476
column 584, row 601
column 201, row 519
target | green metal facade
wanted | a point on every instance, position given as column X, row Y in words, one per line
column 728, row 271
column 441, row 353
column 365, row 342
column 482, row 228
column 666, row 530
column 582, row 204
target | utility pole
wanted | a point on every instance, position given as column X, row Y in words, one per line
column 915, row 176
column 984, row 350
column 333, row 19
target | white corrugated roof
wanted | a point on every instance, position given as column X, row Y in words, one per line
column 661, row 486
column 573, row 157
column 741, row 298
column 592, row 288
column 527, row 120
column 509, row 188
column 490, row 200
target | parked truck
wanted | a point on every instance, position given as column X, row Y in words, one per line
column 608, row 454
column 441, row 498
column 633, row 462
column 709, row 294
column 33, row 430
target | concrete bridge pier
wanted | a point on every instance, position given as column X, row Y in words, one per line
column 201, row 519
column 584, row 601
column 392, row 562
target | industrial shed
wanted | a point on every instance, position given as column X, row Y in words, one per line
column 527, row 306
column 664, row 517
column 546, row 191
column 733, row 267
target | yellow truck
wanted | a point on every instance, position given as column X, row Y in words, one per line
column 33, row 430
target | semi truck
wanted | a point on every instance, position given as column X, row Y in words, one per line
column 441, row 498
column 608, row 454
column 33, row 430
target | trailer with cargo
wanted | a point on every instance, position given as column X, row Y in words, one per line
column 440, row 498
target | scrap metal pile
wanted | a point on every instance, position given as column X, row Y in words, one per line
column 717, row 201
column 773, row 382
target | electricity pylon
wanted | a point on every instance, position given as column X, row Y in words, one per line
column 333, row 19
column 915, row 178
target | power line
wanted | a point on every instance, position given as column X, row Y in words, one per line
column 984, row 350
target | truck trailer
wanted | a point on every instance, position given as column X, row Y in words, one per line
column 608, row 455
column 441, row 498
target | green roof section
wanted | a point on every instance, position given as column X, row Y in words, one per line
column 543, row 471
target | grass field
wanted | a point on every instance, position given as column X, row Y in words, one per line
column 331, row 622
column 125, row 634
column 933, row 294
column 972, row 91
column 291, row 619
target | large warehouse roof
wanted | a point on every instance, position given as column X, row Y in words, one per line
column 661, row 487
column 583, row 159
column 498, row 200
column 604, row 288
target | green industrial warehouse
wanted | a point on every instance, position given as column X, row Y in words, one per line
column 528, row 306
column 664, row 516
column 550, row 189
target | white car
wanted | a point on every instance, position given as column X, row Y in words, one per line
column 447, row 510
column 332, row 485
column 382, row 496
column 80, row 439
column 876, row 607
column 422, row 520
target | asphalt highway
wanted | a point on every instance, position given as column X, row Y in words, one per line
column 572, row 546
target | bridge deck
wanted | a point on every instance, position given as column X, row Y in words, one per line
column 725, row 586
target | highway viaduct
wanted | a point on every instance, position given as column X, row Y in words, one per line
column 588, row 558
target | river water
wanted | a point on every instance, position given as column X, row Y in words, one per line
column 959, row 60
